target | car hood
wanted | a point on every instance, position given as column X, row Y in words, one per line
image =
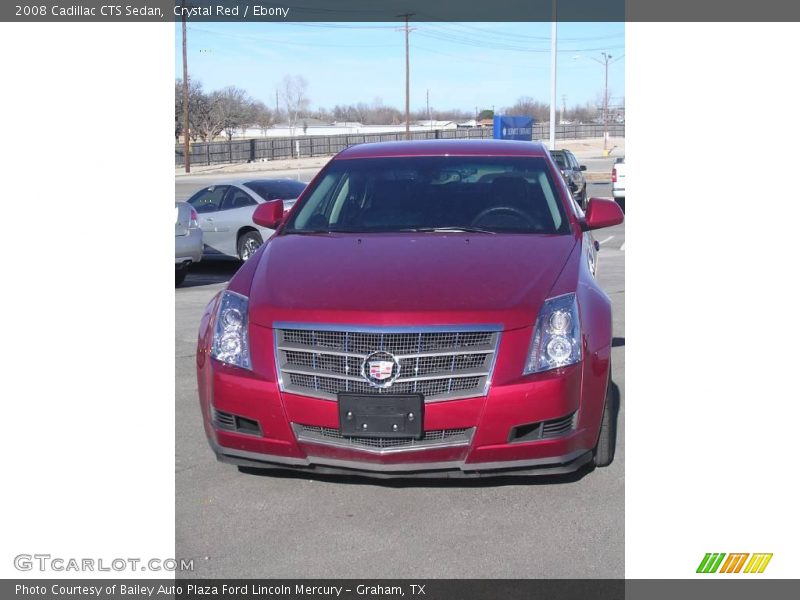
column 406, row 279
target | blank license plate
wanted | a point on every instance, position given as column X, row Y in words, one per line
column 393, row 416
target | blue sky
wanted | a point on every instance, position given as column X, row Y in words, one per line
column 464, row 65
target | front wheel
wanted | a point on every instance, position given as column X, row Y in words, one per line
column 248, row 244
column 607, row 440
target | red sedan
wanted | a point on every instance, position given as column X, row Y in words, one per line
column 425, row 309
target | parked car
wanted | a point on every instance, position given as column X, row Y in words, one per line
column 427, row 308
column 226, row 214
column 618, row 182
column 188, row 240
column 573, row 174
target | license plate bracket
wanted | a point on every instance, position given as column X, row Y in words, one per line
column 384, row 415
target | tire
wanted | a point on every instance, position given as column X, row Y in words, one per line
column 180, row 273
column 607, row 440
column 248, row 244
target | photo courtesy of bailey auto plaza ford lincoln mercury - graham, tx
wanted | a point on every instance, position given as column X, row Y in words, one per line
column 425, row 309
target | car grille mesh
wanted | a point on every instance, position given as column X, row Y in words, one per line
column 441, row 365
column 331, row 436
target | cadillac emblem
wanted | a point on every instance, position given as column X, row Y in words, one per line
column 380, row 369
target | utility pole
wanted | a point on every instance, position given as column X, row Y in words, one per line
column 277, row 108
column 604, row 62
column 428, row 106
column 186, row 159
column 408, row 78
column 553, row 64
column 563, row 107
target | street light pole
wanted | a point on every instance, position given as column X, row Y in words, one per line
column 186, row 159
column 605, row 101
column 553, row 46
column 606, row 59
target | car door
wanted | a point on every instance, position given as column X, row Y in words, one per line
column 236, row 211
column 207, row 202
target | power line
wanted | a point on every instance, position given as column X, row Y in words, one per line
column 508, row 35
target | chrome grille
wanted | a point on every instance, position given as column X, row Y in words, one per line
column 431, row 439
column 440, row 364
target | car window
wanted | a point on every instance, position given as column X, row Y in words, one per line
column 236, row 198
column 497, row 194
column 277, row 190
column 208, row 200
column 560, row 160
column 572, row 161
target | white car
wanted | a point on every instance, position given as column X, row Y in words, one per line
column 188, row 240
column 225, row 212
column 618, row 181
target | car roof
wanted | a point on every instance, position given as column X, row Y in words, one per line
column 244, row 180
column 443, row 148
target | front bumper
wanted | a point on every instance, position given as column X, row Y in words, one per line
column 446, row 469
column 576, row 393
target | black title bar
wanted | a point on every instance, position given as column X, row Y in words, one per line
column 389, row 10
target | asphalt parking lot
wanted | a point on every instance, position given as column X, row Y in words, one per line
column 292, row 525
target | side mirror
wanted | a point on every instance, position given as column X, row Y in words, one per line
column 583, row 167
column 601, row 212
column 269, row 214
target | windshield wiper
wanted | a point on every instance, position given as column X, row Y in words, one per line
column 464, row 228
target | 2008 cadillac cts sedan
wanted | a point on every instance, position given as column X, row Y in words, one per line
column 426, row 308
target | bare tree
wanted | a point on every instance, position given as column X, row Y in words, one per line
column 232, row 105
column 585, row 113
column 208, row 120
column 196, row 98
column 529, row 107
column 294, row 93
column 262, row 116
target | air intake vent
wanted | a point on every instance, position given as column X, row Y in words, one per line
column 224, row 421
column 543, row 430
column 229, row 422
column 557, row 427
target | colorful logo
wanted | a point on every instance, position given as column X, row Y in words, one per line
column 380, row 369
column 713, row 562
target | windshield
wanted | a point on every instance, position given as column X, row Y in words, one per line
column 480, row 194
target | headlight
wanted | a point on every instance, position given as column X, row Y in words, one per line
column 556, row 336
column 231, row 343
